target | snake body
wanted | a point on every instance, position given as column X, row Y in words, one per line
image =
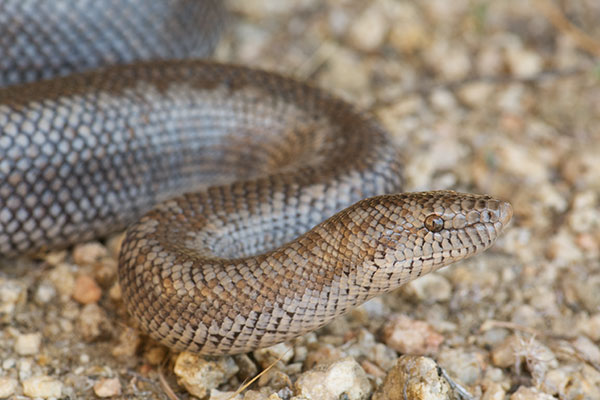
column 242, row 177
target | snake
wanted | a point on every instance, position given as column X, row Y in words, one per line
column 257, row 207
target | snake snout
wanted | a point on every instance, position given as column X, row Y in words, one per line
column 505, row 213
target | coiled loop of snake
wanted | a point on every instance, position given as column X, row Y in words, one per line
column 250, row 260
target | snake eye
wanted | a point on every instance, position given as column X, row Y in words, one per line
column 434, row 223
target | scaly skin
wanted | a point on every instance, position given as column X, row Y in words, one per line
column 251, row 260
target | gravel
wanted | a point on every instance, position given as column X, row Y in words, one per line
column 483, row 96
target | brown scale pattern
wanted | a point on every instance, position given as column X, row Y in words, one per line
column 236, row 172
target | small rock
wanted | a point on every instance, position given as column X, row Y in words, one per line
column 517, row 351
column 25, row 368
column 7, row 386
column 415, row 378
column 107, row 387
column 409, row 37
column 383, row 356
column 590, row 326
column 530, row 393
column 457, row 61
column 346, row 72
column 86, row 290
column 324, row 354
column 408, row 336
column 275, row 379
column 283, row 352
column 8, row 363
column 105, row 271
column 155, row 355
column 587, row 293
column 476, row 94
column 12, row 293
column 524, row 63
column 55, row 258
column 342, row 379
column 494, row 391
column 556, row 381
column 526, row 315
column 467, row 367
column 63, row 279
column 199, row 375
column 562, row 248
column 45, row 292
column 88, row 253
column 588, row 349
column 368, row 31
column 372, row 369
column 443, row 100
column 129, row 339
column 28, row 344
column 490, row 61
column 431, row 288
column 255, row 395
column 42, row 386
column 218, row 395
column 248, row 368
column 93, row 323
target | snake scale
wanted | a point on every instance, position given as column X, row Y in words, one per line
column 238, row 178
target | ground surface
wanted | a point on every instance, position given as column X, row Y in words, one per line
column 483, row 96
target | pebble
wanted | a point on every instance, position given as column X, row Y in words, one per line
column 431, row 288
column 218, row 395
column 466, row 367
column 129, row 339
column 556, row 380
column 63, row 279
column 86, row 290
column 345, row 71
column 199, row 375
column 530, row 393
column 44, row 293
column 155, row 355
column 88, row 253
column 342, row 379
column 523, row 63
column 275, row 379
column 12, row 293
column 409, row 37
column 526, row 315
column 107, row 387
column 28, row 344
column 415, row 378
column 247, row 367
column 494, row 391
column 528, row 353
column 409, row 336
column 283, row 352
column 323, row 354
column 476, row 94
column 490, row 61
column 42, row 386
column 590, row 326
column 562, row 248
column 456, row 64
column 588, row 349
column 8, row 386
column 93, row 323
column 368, row 31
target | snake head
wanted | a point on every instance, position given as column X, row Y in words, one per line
column 416, row 233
